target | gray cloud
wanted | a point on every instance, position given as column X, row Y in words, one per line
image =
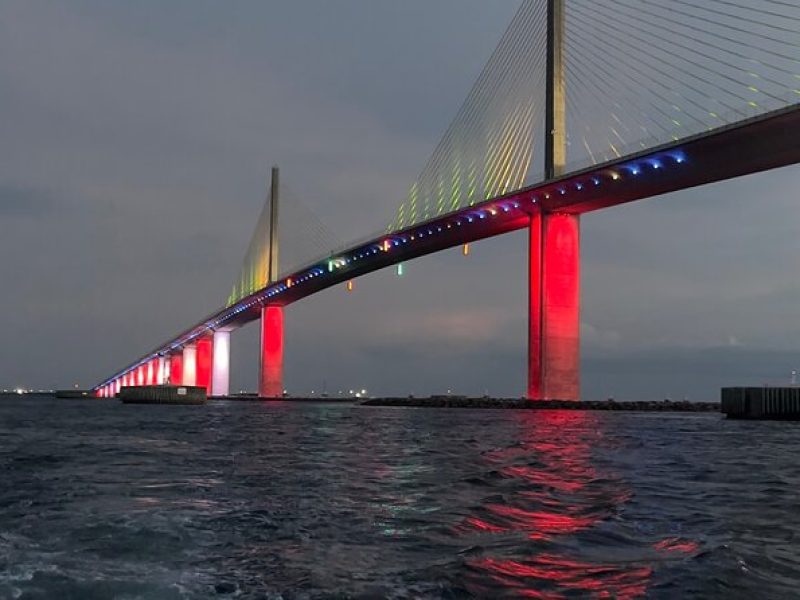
column 18, row 201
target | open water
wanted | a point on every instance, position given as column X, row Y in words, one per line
column 278, row 500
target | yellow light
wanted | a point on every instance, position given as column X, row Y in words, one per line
column 465, row 250
column 289, row 282
column 386, row 245
column 350, row 285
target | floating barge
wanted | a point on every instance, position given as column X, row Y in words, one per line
column 776, row 403
column 163, row 394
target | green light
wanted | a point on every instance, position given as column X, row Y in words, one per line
column 399, row 269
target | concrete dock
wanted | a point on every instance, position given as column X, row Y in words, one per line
column 163, row 394
column 777, row 403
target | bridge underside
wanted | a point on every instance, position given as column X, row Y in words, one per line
column 752, row 146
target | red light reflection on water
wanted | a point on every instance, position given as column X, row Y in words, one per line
column 540, row 522
column 552, row 488
column 546, row 571
column 677, row 546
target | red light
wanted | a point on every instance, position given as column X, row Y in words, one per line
column 554, row 303
column 271, row 377
column 205, row 351
column 176, row 369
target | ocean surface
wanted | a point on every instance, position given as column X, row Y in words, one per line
column 279, row 500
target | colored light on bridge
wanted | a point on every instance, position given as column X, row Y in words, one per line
column 349, row 286
column 465, row 250
column 386, row 245
column 615, row 176
column 289, row 282
column 399, row 269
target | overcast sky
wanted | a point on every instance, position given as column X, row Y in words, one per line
column 136, row 143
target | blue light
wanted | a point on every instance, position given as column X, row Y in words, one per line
column 579, row 186
column 595, row 180
column 679, row 157
column 562, row 191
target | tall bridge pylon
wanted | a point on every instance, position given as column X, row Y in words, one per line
column 554, row 249
column 270, row 372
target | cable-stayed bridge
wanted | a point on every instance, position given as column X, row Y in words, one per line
column 585, row 104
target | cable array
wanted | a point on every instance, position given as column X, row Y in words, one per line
column 488, row 148
column 644, row 72
column 638, row 73
column 301, row 237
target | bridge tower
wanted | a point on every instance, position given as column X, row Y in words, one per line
column 554, row 250
column 270, row 379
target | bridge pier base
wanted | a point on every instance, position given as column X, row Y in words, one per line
column 270, row 381
column 554, row 307
column 189, row 364
column 220, row 365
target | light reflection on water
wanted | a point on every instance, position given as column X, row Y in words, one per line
column 277, row 500
column 557, row 491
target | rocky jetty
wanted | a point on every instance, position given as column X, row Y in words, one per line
column 521, row 403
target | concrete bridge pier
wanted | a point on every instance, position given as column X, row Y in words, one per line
column 204, row 359
column 189, row 364
column 176, row 368
column 270, row 381
column 220, row 364
column 161, row 373
column 554, row 307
